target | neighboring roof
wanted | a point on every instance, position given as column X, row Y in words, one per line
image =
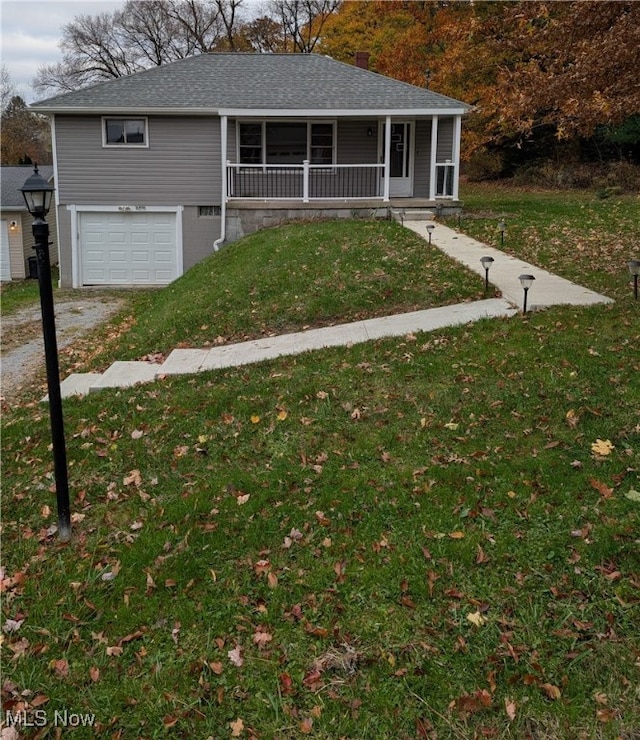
column 13, row 178
column 235, row 82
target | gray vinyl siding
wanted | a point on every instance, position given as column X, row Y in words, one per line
column 181, row 165
column 354, row 146
column 64, row 248
column 422, row 159
column 198, row 235
column 445, row 140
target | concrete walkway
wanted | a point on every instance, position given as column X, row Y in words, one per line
column 547, row 290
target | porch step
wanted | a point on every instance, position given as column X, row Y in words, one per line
column 411, row 214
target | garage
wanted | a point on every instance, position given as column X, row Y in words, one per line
column 128, row 248
column 5, row 256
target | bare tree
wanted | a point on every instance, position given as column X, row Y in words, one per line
column 145, row 33
column 302, row 21
column 7, row 88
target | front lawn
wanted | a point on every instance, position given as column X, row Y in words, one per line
column 434, row 536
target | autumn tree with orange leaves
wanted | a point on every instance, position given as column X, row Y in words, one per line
column 533, row 71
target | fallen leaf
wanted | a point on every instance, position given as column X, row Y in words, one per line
column 553, row 692
column 243, row 498
column 572, row 418
column 134, row 478
column 633, row 495
column 262, row 638
column 94, row 672
column 61, row 667
column 235, row 656
column 12, row 625
column 602, row 447
column 286, row 684
column 237, row 727
column 476, row 618
column 306, row 726
column 282, row 415
column 510, row 709
column 255, row 419
column 602, row 488
column 456, row 535
column 605, row 715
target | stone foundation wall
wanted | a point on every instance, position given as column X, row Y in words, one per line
column 241, row 221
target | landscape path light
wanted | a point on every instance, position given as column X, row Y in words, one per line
column 430, row 229
column 486, row 263
column 634, row 269
column 502, row 227
column 526, row 281
column 37, row 194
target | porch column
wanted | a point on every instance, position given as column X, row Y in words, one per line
column 387, row 159
column 223, row 157
column 434, row 156
column 457, row 129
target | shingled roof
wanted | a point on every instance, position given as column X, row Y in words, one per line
column 233, row 82
column 13, row 178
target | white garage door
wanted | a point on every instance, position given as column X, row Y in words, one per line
column 128, row 248
column 5, row 258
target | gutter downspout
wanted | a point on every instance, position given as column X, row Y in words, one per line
column 223, row 204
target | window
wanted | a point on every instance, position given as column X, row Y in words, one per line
column 125, row 131
column 208, row 211
column 286, row 142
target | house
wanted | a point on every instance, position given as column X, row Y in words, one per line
column 156, row 170
column 16, row 239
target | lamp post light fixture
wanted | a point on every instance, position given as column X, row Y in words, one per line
column 634, row 269
column 486, row 263
column 502, row 227
column 37, row 194
column 430, row 228
column 526, row 281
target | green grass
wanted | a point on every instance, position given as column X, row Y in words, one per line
column 409, row 538
column 20, row 293
column 293, row 277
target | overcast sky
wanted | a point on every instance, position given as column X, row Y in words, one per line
column 31, row 31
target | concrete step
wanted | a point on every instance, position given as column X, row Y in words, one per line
column 125, row 374
column 412, row 214
column 77, row 384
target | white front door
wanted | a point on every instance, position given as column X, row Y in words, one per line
column 401, row 158
column 5, row 256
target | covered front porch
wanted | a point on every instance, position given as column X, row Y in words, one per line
column 345, row 159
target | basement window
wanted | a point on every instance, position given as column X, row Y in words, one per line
column 208, row 211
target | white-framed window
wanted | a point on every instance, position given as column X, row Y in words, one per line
column 286, row 142
column 129, row 132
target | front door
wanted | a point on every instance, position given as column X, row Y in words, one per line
column 401, row 158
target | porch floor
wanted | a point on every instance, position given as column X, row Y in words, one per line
column 321, row 205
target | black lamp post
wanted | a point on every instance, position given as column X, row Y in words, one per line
column 486, row 263
column 37, row 194
column 502, row 228
column 526, row 281
column 634, row 269
column 430, row 229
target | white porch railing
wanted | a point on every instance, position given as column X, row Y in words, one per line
column 305, row 182
column 445, row 179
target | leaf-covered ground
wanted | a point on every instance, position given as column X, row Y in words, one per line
column 434, row 536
